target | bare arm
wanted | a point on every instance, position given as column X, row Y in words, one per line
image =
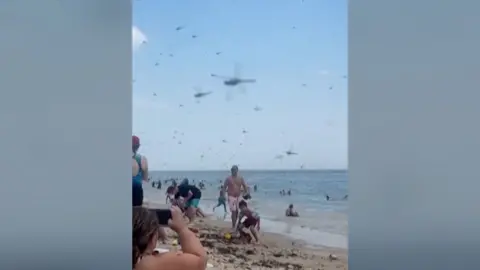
column 225, row 185
column 245, row 187
column 145, row 168
column 191, row 244
column 189, row 196
column 239, row 219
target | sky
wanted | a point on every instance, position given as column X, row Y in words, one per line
column 296, row 50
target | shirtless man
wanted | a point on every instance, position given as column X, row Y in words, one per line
column 233, row 186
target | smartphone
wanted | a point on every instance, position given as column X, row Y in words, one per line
column 163, row 215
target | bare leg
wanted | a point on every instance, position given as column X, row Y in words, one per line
column 234, row 218
column 200, row 212
column 254, row 232
column 216, row 206
column 191, row 213
column 225, row 207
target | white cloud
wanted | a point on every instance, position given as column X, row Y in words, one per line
column 324, row 72
column 138, row 38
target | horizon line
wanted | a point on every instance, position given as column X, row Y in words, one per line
column 263, row 170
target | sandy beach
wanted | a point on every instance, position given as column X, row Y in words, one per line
column 275, row 252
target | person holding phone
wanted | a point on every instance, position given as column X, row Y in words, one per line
column 145, row 225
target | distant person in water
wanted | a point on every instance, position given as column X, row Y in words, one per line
column 159, row 184
column 255, row 188
column 290, row 212
column 139, row 172
column 221, row 200
column 233, row 186
column 328, row 198
column 289, row 192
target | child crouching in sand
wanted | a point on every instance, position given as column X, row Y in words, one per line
column 249, row 222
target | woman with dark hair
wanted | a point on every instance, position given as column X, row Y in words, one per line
column 139, row 172
column 144, row 241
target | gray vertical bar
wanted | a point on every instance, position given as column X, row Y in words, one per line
column 65, row 118
column 414, row 134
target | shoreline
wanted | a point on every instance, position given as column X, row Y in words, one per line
column 291, row 230
column 277, row 251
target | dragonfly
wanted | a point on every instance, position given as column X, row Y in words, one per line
column 199, row 93
column 235, row 80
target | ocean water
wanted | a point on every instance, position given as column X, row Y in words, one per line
column 321, row 222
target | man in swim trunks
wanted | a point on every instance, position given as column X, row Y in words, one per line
column 233, row 186
column 191, row 199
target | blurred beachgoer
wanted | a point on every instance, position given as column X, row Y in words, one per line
column 221, row 200
column 249, row 220
column 290, row 212
column 200, row 213
column 191, row 199
column 144, row 241
column 184, row 181
column 170, row 194
column 139, row 172
column 255, row 188
column 233, row 186
column 289, row 192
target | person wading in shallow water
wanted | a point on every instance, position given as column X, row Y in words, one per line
column 139, row 172
column 233, row 186
column 221, row 200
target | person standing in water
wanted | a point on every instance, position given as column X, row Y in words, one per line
column 139, row 172
column 221, row 200
column 233, row 186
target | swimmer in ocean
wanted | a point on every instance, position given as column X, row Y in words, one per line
column 290, row 212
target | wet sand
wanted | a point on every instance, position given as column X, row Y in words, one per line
column 275, row 252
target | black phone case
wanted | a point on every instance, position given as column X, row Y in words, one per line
column 163, row 215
